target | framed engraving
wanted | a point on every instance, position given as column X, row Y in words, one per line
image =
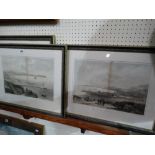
column 45, row 40
column 111, row 84
column 31, row 76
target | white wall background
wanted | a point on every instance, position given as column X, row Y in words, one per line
column 123, row 32
column 90, row 32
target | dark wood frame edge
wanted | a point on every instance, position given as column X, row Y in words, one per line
column 50, row 38
column 131, row 49
column 5, row 22
column 112, row 124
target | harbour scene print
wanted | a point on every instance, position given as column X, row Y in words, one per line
column 120, row 86
column 26, row 76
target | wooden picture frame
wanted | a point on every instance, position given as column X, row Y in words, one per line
column 93, row 113
column 28, row 39
column 51, row 58
column 28, row 22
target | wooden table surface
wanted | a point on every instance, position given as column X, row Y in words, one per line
column 84, row 125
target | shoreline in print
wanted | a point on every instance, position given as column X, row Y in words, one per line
column 31, row 77
column 117, row 86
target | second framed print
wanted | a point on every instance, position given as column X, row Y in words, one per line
column 113, row 84
column 43, row 40
column 31, row 76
